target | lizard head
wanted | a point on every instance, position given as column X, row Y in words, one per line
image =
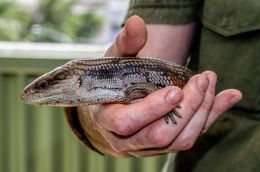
column 54, row 88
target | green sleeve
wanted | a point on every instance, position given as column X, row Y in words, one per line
column 165, row 11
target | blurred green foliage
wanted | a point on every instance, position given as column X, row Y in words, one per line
column 53, row 21
column 14, row 22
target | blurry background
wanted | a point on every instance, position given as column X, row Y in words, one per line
column 36, row 36
column 66, row 21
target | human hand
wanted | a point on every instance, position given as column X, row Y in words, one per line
column 139, row 129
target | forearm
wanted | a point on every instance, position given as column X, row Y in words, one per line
column 170, row 42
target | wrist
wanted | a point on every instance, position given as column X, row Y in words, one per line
column 170, row 42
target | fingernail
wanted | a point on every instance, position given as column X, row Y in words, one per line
column 235, row 99
column 173, row 96
column 202, row 82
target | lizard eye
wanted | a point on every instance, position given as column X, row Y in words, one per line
column 43, row 84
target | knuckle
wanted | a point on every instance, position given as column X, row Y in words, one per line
column 120, row 126
column 158, row 139
column 192, row 104
column 206, row 105
column 185, row 144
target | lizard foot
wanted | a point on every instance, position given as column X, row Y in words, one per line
column 171, row 116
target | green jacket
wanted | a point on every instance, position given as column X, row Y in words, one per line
column 229, row 44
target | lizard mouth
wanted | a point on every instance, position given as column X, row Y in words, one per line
column 50, row 100
column 54, row 100
column 39, row 101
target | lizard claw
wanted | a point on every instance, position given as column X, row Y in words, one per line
column 170, row 116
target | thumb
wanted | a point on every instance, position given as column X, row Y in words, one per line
column 130, row 40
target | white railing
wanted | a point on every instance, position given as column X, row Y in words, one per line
column 50, row 50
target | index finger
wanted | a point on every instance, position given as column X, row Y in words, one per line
column 127, row 119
